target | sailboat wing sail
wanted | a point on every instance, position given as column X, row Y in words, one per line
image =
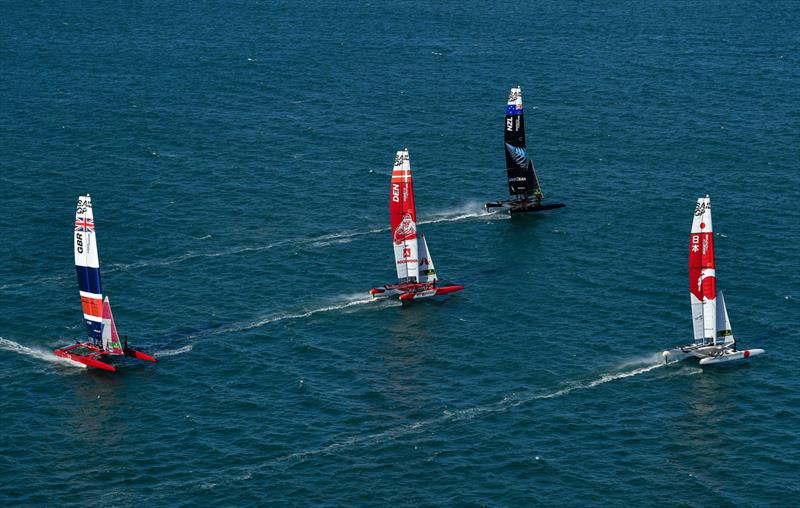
column 403, row 217
column 522, row 180
column 702, row 274
column 724, row 330
column 111, row 342
column 87, row 267
column 427, row 272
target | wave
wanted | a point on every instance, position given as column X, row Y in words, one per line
column 506, row 403
column 350, row 301
column 173, row 352
column 471, row 210
column 39, row 354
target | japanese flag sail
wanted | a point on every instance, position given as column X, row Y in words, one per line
column 427, row 272
column 403, row 217
column 111, row 342
column 87, row 267
column 702, row 274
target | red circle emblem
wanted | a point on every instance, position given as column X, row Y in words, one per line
column 702, row 225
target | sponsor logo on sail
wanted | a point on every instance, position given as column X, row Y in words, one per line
column 520, row 155
column 406, row 230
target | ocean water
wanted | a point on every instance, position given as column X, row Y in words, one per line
column 238, row 156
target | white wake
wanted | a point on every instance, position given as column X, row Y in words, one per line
column 39, row 354
column 394, row 433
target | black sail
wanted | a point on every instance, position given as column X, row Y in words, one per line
column 522, row 181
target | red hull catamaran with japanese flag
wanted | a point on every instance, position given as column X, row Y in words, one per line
column 415, row 271
column 713, row 338
column 523, row 184
column 103, row 340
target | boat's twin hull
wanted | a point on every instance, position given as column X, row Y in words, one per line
column 90, row 355
column 515, row 207
column 408, row 294
column 708, row 355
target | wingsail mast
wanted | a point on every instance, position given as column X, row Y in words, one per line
column 522, row 180
column 87, row 267
column 523, row 183
column 403, row 218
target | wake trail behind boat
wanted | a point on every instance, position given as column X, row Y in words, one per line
column 351, row 301
column 39, row 354
column 320, row 241
column 507, row 402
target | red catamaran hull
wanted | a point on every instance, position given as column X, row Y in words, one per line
column 409, row 292
column 89, row 354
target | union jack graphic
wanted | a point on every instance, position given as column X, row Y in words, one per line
column 84, row 225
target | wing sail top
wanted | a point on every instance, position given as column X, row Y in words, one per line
column 87, row 267
column 403, row 217
column 522, row 180
column 427, row 272
column 702, row 274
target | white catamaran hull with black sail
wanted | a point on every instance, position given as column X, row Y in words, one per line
column 523, row 184
column 102, row 337
column 714, row 342
column 415, row 271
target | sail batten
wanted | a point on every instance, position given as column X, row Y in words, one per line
column 87, row 268
column 522, row 180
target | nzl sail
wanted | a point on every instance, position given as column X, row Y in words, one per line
column 87, row 266
column 403, row 216
column 702, row 275
column 522, row 181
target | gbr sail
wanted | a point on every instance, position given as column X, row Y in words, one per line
column 702, row 275
column 87, row 267
column 403, row 217
column 522, row 180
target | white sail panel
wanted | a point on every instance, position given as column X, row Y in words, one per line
column 427, row 272
column 724, row 331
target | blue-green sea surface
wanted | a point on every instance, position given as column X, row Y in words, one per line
column 238, row 156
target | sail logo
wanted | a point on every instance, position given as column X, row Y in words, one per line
column 406, row 230
column 84, row 225
column 400, row 158
column 79, row 243
column 396, row 192
column 701, row 208
column 520, row 155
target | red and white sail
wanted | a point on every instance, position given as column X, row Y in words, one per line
column 403, row 217
column 111, row 342
column 427, row 272
column 702, row 274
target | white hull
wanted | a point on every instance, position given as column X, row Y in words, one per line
column 708, row 355
column 730, row 356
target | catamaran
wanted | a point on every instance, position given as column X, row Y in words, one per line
column 103, row 339
column 523, row 185
column 714, row 342
column 415, row 271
